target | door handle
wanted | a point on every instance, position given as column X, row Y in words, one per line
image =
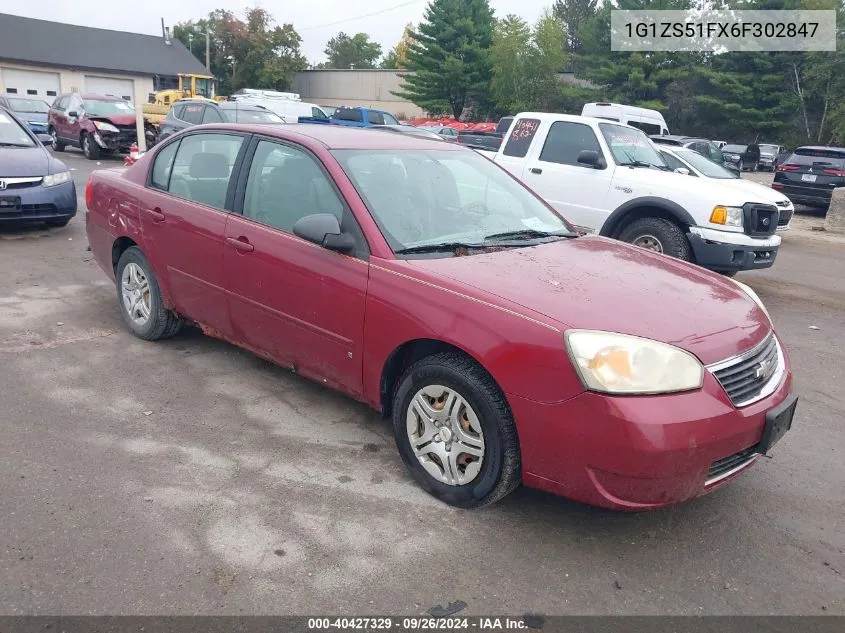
column 156, row 214
column 536, row 170
column 240, row 244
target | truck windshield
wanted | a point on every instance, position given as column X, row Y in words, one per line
column 630, row 146
column 425, row 198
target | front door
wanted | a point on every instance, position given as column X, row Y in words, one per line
column 578, row 191
column 296, row 301
column 184, row 219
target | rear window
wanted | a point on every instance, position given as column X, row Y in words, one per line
column 812, row 157
column 349, row 114
column 252, row 116
column 648, row 128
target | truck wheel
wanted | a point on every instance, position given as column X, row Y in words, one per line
column 89, row 147
column 658, row 235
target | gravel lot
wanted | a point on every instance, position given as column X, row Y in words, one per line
column 190, row 477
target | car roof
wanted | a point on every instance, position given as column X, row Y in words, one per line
column 95, row 97
column 820, row 148
column 342, row 137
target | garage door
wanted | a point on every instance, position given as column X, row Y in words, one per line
column 108, row 86
column 30, row 83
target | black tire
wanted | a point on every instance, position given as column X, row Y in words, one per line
column 89, row 147
column 671, row 237
column 57, row 223
column 57, row 144
column 162, row 323
column 728, row 273
column 500, row 472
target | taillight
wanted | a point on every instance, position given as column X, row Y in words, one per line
column 787, row 167
column 835, row 172
column 89, row 194
column 777, row 185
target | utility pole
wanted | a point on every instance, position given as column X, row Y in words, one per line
column 207, row 49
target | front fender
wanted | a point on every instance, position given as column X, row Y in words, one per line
column 616, row 219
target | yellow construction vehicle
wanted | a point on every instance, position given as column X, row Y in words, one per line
column 190, row 87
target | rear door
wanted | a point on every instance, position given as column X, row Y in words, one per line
column 578, row 191
column 60, row 116
column 813, row 172
column 184, row 218
column 292, row 300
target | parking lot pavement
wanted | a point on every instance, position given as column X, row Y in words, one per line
column 191, row 477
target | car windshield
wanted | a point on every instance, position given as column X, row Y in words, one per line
column 769, row 149
column 28, row 105
column 251, row 116
column 704, row 165
column 424, row 198
column 12, row 134
column 96, row 107
column 630, row 146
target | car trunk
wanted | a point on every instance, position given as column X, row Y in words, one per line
column 814, row 172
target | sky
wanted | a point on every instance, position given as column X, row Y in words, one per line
column 316, row 21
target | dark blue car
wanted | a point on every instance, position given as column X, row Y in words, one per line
column 30, row 110
column 34, row 186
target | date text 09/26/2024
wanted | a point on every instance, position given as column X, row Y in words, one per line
column 418, row 624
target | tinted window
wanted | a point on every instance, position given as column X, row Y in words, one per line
column 648, row 128
column 203, row 166
column 389, row 120
column 817, row 157
column 211, row 115
column 715, row 153
column 178, row 110
column 566, row 140
column 163, row 166
column 349, row 114
column 286, row 184
column 520, row 139
column 193, row 113
column 375, row 118
column 672, row 161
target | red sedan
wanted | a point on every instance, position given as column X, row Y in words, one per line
column 424, row 280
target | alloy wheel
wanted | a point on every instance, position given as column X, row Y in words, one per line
column 135, row 291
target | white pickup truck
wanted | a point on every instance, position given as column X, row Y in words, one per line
column 609, row 178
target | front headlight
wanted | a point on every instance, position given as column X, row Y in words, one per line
column 754, row 297
column 56, row 179
column 105, row 127
column 623, row 364
column 727, row 216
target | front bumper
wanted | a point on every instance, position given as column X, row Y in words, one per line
column 728, row 251
column 122, row 141
column 40, row 203
column 641, row 452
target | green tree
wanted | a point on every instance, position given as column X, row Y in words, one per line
column 450, row 57
column 397, row 57
column 357, row 51
column 573, row 14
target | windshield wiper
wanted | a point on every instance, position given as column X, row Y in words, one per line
column 528, row 234
column 642, row 163
column 437, row 248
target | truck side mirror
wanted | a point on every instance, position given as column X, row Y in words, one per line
column 591, row 158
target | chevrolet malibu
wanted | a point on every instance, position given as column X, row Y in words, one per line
column 422, row 279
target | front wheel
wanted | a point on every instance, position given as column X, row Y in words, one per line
column 455, row 431
column 89, row 147
column 658, row 235
column 140, row 300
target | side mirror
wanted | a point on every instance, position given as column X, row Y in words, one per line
column 682, row 170
column 46, row 139
column 591, row 158
column 73, row 114
column 324, row 229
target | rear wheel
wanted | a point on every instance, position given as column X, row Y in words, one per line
column 89, row 147
column 57, row 144
column 139, row 297
column 455, row 431
column 658, row 235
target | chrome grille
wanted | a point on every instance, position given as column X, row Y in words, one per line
column 753, row 375
column 723, row 468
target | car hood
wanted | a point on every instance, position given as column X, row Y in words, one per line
column 116, row 119
column 17, row 162
column 640, row 182
column 761, row 193
column 597, row 283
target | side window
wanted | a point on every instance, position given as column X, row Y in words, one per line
column 211, row 115
column 193, row 113
column 521, row 137
column 672, row 161
column 178, row 110
column 375, row 118
column 286, row 184
column 203, row 166
column 566, row 140
column 163, row 166
column 389, row 119
column 714, row 153
column 74, row 104
column 317, row 113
